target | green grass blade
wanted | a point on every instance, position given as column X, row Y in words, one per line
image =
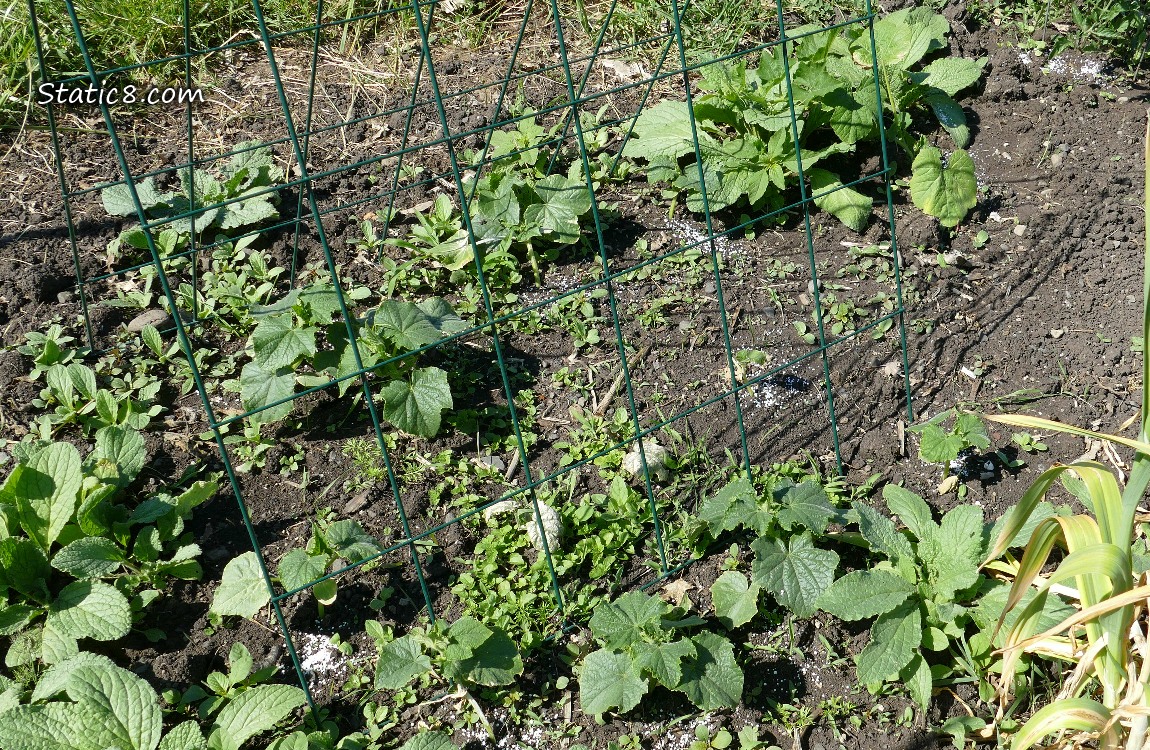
column 1079, row 714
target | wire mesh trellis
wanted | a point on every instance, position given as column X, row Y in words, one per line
column 440, row 124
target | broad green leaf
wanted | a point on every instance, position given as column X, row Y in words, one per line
column 124, row 447
column 953, row 74
column 736, row 600
column 24, row 567
column 882, row 536
column 186, row 736
column 865, row 593
column 416, row 406
column 712, row 680
column 806, row 505
column 90, row 609
column 348, row 540
column 608, row 680
column 250, row 211
column 937, row 445
column 257, row 709
column 794, row 571
column 663, row 660
column 846, row 204
column 260, row 387
column 277, row 342
column 662, row 131
column 902, row 38
column 15, row 618
column 56, row 677
column 733, row 506
column 429, row 741
column 56, row 646
column 495, row 661
column 89, row 557
column 911, row 509
column 894, row 641
column 129, row 708
column 556, row 222
column 917, row 678
column 628, row 619
column 242, row 590
column 400, row 662
column 464, row 637
column 46, row 492
column 946, row 193
column 55, row 726
column 298, row 569
column 950, row 116
column 954, row 566
column 405, row 324
column 117, row 199
column 442, row 316
column 571, row 193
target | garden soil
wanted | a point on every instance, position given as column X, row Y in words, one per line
column 1032, row 305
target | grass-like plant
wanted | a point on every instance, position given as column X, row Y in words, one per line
column 1103, row 698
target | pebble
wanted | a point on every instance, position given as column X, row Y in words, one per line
column 157, row 318
column 1111, row 355
column 1019, row 229
column 65, row 297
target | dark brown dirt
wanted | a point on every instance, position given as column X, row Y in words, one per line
column 1045, row 308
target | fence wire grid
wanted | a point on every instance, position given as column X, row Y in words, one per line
column 440, row 126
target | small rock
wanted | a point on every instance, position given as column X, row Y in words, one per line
column 156, row 318
column 1019, row 229
column 493, row 462
column 1057, row 333
column 1111, row 355
column 65, row 297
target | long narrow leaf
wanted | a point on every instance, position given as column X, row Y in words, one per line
column 1081, row 714
column 1020, row 513
column 1133, row 596
column 1039, row 423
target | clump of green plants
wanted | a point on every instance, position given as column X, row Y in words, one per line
column 242, row 193
column 642, row 641
column 333, row 545
column 86, row 702
column 78, row 559
column 748, row 148
column 303, row 328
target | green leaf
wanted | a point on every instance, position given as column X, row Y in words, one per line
column 441, row 316
column 242, row 590
column 56, row 726
column 556, row 222
column 946, row 193
column 464, row 637
column 24, row 567
column 917, row 678
column 806, row 505
column 89, row 557
column 56, row 646
column 298, row 569
column 495, row 661
column 662, row 131
column 429, row 741
column 712, row 680
column 348, row 540
column 250, row 211
column 937, row 445
column 736, row 600
column 15, row 618
column 608, row 680
column 186, row 736
column 55, row 678
column 663, row 660
column 953, row 74
column 90, row 609
column 895, row 638
column 733, row 506
column 277, row 342
column 903, row 38
column 400, row 662
column 417, row 406
column 405, row 324
column 794, row 571
column 260, row 387
column 911, row 509
column 122, row 446
column 117, row 199
column 846, row 204
column 46, row 492
column 882, row 536
column 257, row 709
column 129, row 709
column 865, row 593
column 951, row 116
column 628, row 619
column 954, row 565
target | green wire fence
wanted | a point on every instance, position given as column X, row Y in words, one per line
column 429, row 151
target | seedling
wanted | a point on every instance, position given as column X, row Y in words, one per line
column 1028, row 442
column 939, row 445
